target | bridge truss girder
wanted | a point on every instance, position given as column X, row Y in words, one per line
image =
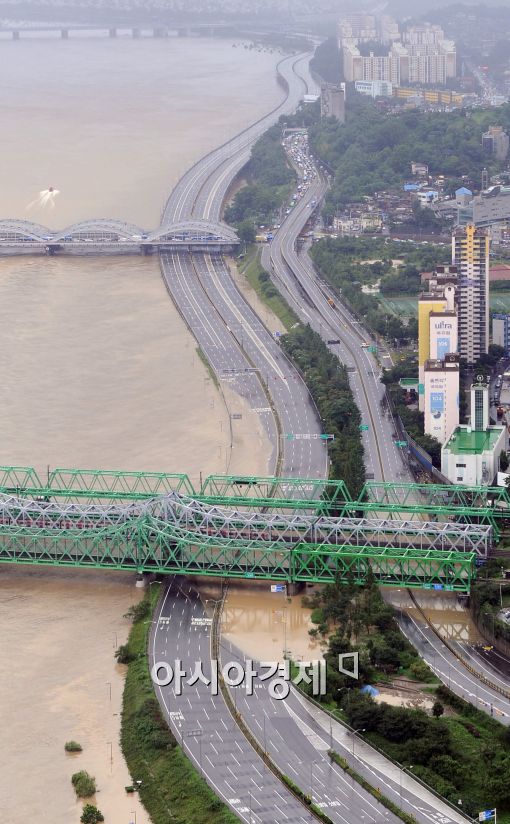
column 154, row 552
column 438, row 495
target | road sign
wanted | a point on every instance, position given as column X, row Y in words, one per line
column 331, row 342
column 278, row 587
column 438, row 586
column 363, row 427
column 289, row 436
column 325, row 437
column 236, row 416
column 277, row 334
column 373, row 349
column 487, row 815
column 401, row 444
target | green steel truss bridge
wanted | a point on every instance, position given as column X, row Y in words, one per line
column 283, row 529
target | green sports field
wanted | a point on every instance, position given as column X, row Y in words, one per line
column 407, row 307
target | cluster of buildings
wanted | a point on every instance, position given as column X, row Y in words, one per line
column 375, row 49
column 453, row 323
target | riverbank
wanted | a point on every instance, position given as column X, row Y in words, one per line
column 58, row 682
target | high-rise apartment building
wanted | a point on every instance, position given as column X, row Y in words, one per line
column 378, row 52
column 470, row 254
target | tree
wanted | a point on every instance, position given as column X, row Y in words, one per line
column 91, row 815
column 84, row 784
column 246, row 231
column 437, row 709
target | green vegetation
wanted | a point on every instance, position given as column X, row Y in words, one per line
column 461, row 754
column 373, row 151
column 387, row 802
column 328, row 383
column 171, row 789
column 345, row 264
column 270, row 179
column 91, row 815
column 465, row 755
column 298, row 792
column 259, row 280
column 327, row 61
column 72, row 746
column 446, row 751
column 84, row 784
column 356, row 618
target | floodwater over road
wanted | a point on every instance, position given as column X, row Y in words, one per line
column 263, row 623
column 98, row 369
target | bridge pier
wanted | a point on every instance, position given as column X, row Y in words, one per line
column 160, row 32
column 15, row 35
column 295, row 589
column 112, row 33
column 136, row 34
column 142, row 580
column 64, row 34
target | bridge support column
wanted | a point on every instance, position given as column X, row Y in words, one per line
column 136, row 34
column 295, row 589
column 142, row 580
column 64, row 34
column 15, row 35
column 112, row 33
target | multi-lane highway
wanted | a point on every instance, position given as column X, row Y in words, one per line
column 201, row 721
column 243, row 352
column 479, row 683
column 308, row 296
column 235, row 342
column 295, row 735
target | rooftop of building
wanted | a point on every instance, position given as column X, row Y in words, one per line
column 467, row 441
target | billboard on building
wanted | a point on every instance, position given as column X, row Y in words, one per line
column 443, row 332
column 441, row 400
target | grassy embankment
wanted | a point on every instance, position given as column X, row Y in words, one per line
column 259, row 280
column 172, row 791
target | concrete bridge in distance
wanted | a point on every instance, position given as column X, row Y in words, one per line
column 112, row 31
column 108, row 236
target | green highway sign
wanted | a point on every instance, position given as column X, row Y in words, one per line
column 401, row 444
column 363, row 427
column 289, row 436
column 373, row 349
column 327, row 437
